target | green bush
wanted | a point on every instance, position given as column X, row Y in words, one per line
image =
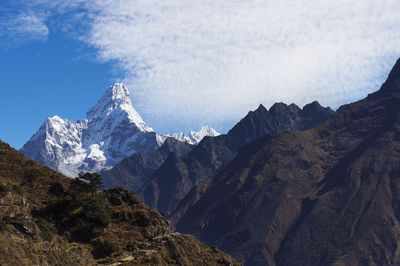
column 91, row 221
column 94, row 181
column 81, row 214
column 95, row 211
column 84, row 219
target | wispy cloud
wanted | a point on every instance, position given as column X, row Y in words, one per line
column 22, row 27
column 203, row 60
column 24, row 21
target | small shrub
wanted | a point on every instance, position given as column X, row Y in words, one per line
column 102, row 249
column 85, row 219
column 90, row 222
column 95, row 212
column 81, row 215
column 118, row 195
column 17, row 189
column 142, row 219
column 94, row 181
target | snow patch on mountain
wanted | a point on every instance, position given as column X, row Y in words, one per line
column 194, row 137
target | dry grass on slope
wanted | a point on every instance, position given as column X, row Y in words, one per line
column 47, row 219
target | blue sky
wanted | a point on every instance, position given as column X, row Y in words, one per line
column 41, row 79
column 188, row 63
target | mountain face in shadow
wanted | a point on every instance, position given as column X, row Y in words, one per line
column 137, row 169
column 177, row 175
column 49, row 219
column 326, row 196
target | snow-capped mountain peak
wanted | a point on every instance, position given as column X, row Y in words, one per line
column 205, row 130
column 112, row 131
column 116, row 104
column 194, row 137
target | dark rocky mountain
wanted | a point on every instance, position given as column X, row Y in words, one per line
column 137, row 169
column 280, row 117
column 326, row 196
column 49, row 219
column 177, row 175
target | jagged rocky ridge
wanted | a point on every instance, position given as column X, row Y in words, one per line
column 112, row 131
column 48, row 219
column 177, row 175
column 326, row 196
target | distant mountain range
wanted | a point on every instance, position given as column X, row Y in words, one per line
column 326, row 196
column 195, row 137
column 112, row 131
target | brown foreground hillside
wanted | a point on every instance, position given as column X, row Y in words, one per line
column 48, row 219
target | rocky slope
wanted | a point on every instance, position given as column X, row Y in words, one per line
column 112, row 131
column 177, row 175
column 48, row 219
column 137, row 169
column 326, row 196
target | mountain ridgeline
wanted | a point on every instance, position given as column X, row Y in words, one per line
column 326, row 196
column 177, row 175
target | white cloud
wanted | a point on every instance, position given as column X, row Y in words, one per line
column 24, row 27
column 208, row 59
column 213, row 60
